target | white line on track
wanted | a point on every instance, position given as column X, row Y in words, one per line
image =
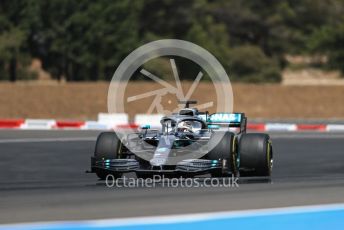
column 62, row 139
column 272, row 134
column 307, row 135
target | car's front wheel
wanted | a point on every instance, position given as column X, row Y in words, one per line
column 108, row 146
column 222, row 146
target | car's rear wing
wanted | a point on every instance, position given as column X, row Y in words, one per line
column 232, row 120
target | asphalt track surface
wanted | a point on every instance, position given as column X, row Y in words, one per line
column 42, row 178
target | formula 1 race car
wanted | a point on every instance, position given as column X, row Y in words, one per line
column 189, row 143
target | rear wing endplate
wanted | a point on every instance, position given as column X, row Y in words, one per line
column 237, row 120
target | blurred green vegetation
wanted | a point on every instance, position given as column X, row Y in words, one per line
column 85, row 40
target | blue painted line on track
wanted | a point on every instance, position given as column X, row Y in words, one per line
column 312, row 217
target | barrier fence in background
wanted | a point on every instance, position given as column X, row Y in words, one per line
column 121, row 121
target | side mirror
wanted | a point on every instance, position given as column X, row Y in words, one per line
column 213, row 127
column 145, row 127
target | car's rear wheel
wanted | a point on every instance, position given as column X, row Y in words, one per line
column 255, row 151
column 222, row 146
column 108, row 146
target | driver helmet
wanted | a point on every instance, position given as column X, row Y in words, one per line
column 185, row 126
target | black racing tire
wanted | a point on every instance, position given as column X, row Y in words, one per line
column 255, row 152
column 108, row 146
column 222, row 145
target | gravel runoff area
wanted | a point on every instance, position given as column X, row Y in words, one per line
column 86, row 100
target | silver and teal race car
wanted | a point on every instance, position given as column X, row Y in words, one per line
column 188, row 144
